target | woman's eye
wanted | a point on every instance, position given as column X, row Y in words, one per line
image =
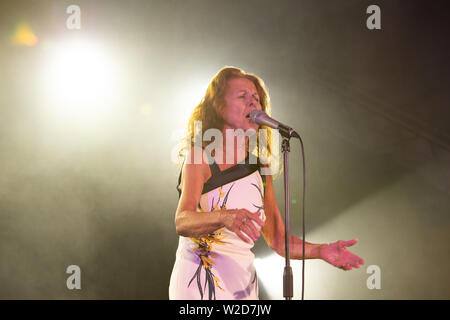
column 243, row 96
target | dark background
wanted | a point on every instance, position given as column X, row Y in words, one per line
column 372, row 107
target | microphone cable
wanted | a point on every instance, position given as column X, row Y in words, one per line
column 303, row 218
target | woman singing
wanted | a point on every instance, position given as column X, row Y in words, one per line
column 226, row 202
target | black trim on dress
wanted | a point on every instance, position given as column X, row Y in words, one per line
column 219, row 178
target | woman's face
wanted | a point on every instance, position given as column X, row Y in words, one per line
column 241, row 98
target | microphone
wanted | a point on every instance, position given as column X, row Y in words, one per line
column 261, row 118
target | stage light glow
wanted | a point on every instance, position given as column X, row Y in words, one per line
column 24, row 36
column 146, row 109
column 188, row 97
column 270, row 274
column 81, row 82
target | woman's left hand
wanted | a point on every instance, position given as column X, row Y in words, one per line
column 337, row 255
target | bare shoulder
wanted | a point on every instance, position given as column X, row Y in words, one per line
column 193, row 176
column 195, row 169
column 265, row 171
column 269, row 193
column 269, row 181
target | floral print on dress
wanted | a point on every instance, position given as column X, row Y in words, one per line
column 260, row 188
column 203, row 249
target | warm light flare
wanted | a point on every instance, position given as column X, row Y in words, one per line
column 24, row 36
column 81, row 81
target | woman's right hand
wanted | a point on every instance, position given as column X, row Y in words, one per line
column 241, row 222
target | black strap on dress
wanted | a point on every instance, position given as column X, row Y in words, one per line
column 219, row 178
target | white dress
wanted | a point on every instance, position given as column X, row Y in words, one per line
column 220, row 265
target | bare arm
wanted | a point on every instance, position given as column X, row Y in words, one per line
column 273, row 230
column 191, row 223
column 334, row 253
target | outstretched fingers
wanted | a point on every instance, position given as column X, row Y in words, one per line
column 351, row 260
column 348, row 243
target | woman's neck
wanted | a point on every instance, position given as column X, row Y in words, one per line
column 233, row 150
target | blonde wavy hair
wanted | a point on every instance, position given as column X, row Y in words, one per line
column 210, row 108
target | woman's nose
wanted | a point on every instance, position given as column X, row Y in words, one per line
column 252, row 101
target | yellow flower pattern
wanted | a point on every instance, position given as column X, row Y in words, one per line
column 203, row 249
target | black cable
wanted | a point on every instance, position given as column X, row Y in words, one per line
column 303, row 219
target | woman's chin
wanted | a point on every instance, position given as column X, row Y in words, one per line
column 254, row 127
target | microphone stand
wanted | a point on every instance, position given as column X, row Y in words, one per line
column 286, row 132
column 288, row 282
